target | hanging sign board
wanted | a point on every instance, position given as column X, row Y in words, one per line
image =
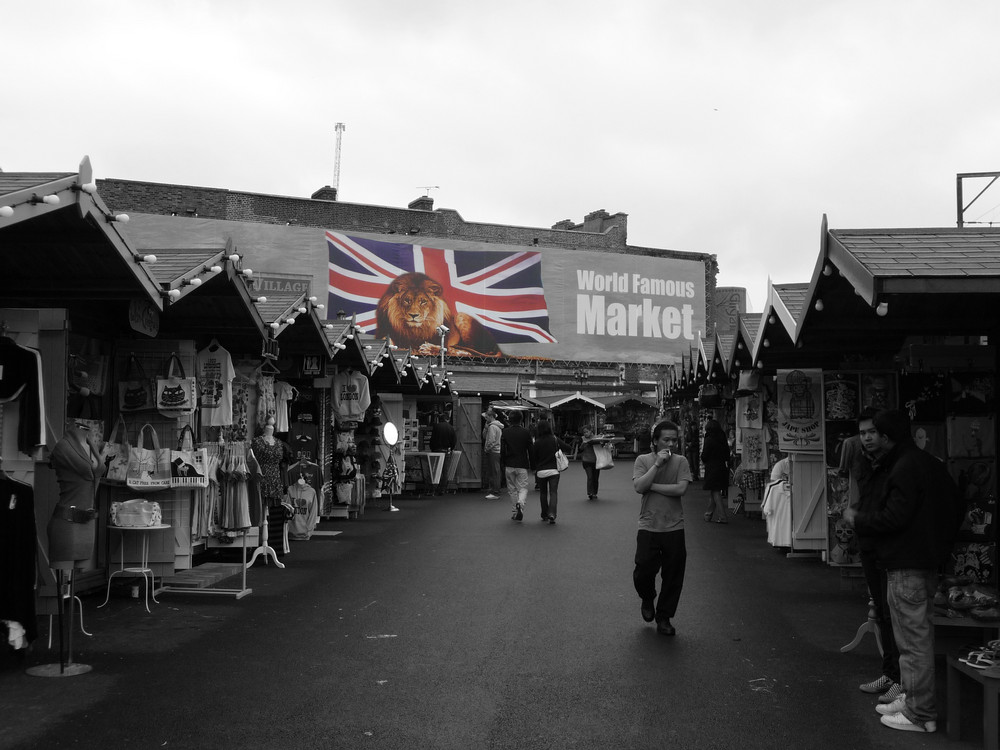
column 144, row 317
column 800, row 410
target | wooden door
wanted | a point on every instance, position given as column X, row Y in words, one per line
column 809, row 526
column 468, row 422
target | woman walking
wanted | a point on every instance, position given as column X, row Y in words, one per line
column 543, row 458
column 589, row 460
column 715, row 463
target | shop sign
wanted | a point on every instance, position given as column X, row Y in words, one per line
column 312, row 364
column 800, row 410
column 266, row 283
column 144, row 317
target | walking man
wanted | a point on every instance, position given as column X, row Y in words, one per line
column 491, row 447
column 661, row 477
column 915, row 524
column 515, row 444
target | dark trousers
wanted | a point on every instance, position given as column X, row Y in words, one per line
column 593, row 478
column 548, row 495
column 664, row 553
column 878, row 589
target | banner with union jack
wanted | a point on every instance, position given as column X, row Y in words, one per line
column 502, row 290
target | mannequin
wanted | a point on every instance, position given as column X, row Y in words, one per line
column 77, row 462
column 272, row 455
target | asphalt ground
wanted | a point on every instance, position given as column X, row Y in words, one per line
column 447, row 625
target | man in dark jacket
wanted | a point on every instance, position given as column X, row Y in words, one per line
column 913, row 527
column 866, row 467
column 515, row 443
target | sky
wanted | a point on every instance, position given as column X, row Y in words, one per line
column 727, row 127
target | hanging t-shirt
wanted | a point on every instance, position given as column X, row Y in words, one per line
column 303, row 438
column 351, row 397
column 215, row 374
column 305, row 514
column 311, row 471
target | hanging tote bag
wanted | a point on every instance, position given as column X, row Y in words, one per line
column 135, row 391
column 603, row 455
column 562, row 463
column 176, row 394
column 116, row 454
column 709, row 396
column 188, row 465
column 148, row 468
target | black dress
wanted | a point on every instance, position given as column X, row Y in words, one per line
column 715, row 463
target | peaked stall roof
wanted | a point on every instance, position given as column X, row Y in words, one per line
column 60, row 245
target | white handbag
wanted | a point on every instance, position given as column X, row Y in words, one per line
column 562, row 463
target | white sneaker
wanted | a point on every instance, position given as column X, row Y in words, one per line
column 888, row 709
column 491, row 496
column 899, row 721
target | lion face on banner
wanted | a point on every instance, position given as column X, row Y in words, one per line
column 412, row 308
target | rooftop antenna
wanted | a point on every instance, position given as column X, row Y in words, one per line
column 963, row 207
column 339, row 128
column 427, row 188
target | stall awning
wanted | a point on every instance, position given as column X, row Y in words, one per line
column 485, row 383
column 555, row 400
column 615, row 400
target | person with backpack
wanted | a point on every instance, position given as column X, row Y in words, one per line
column 914, row 523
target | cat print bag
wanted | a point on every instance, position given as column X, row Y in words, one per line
column 135, row 390
column 176, row 394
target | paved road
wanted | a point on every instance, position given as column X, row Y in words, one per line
column 447, row 625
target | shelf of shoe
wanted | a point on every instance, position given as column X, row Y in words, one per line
column 990, row 628
column 991, row 696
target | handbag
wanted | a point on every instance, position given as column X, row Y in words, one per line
column 749, row 383
column 148, row 468
column 135, row 392
column 562, row 463
column 709, row 396
column 603, row 455
column 188, row 465
column 136, row 513
column 176, row 394
column 116, row 454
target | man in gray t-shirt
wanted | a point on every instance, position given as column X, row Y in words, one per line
column 661, row 477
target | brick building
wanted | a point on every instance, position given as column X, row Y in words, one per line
column 599, row 231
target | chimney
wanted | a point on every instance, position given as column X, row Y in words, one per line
column 423, row 203
column 325, row 193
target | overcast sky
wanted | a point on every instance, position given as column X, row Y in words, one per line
column 726, row 127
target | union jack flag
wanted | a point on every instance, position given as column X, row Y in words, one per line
column 503, row 290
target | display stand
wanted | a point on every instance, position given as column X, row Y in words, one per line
column 871, row 626
column 237, row 593
column 66, row 667
column 264, row 549
column 390, row 476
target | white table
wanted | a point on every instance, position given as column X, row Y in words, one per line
column 143, row 568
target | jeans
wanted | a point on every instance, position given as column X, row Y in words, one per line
column 662, row 552
column 877, row 588
column 517, row 486
column 911, row 602
column 494, row 476
column 548, row 496
column 593, row 478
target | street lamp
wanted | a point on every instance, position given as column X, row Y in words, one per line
column 442, row 331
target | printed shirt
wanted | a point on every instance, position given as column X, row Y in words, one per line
column 351, row 396
column 662, row 512
column 215, row 373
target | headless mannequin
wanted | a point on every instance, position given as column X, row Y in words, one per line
column 77, row 462
column 265, row 549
